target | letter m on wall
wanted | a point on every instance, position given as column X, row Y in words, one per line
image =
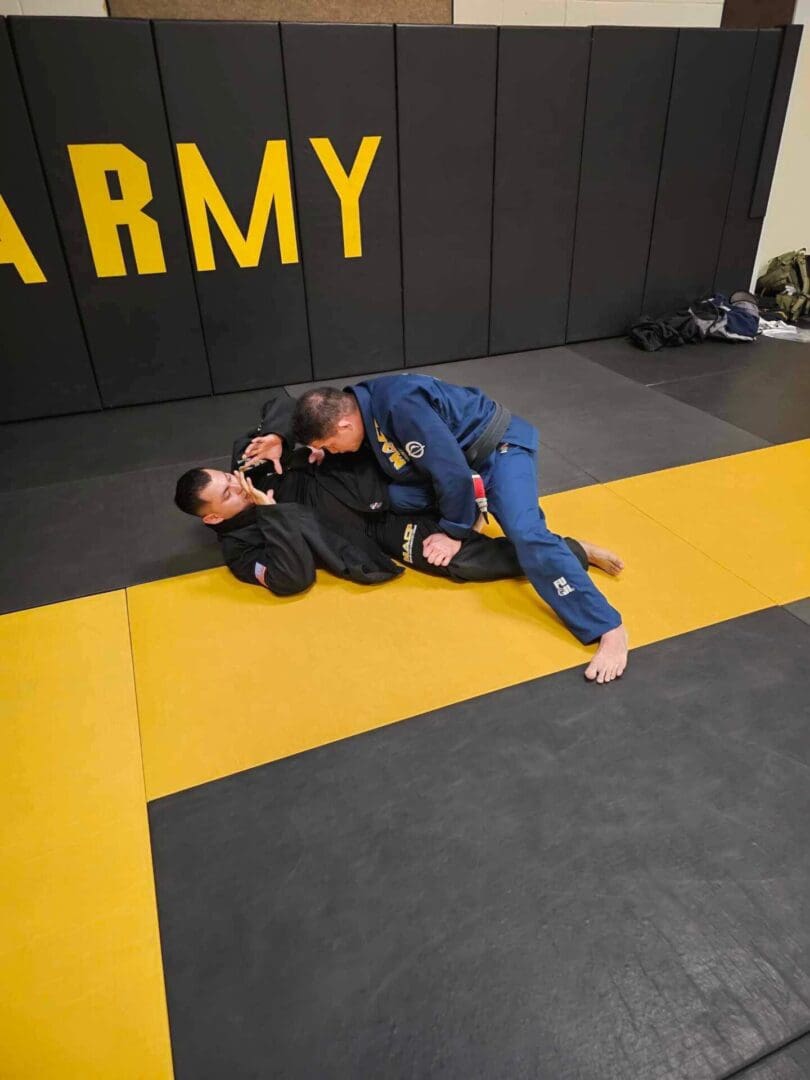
column 203, row 198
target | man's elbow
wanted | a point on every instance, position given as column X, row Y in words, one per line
column 280, row 582
column 291, row 584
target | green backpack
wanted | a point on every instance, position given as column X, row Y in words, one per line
column 787, row 279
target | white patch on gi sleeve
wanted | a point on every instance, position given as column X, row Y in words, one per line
column 260, row 573
column 414, row 449
column 562, row 587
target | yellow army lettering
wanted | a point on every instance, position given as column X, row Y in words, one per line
column 391, row 450
column 14, row 249
column 105, row 215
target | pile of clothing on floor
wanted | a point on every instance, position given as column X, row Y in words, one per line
column 783, row 299
column 731, row 319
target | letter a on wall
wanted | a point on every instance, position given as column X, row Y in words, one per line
column 45, row 365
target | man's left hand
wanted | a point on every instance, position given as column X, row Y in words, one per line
column 264, row 448
column 258, row 498
column 439, row 549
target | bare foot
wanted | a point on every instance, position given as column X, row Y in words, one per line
column 606, row 560
column 611, row 657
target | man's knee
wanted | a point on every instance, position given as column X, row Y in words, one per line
column 521, row 525
column 542, row 549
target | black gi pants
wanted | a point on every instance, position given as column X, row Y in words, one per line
column 481, row 558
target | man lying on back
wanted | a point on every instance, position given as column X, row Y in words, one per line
column 295, row 512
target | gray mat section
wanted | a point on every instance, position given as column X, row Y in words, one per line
column 74, row 539
column 69, row 539
column 667, row 365
column 121, row 440
column 605, row 423
column 87, row 500
column 762, row 387
column 792, row 1063
column 770, row 398
column 801, row 609
column 555, row 881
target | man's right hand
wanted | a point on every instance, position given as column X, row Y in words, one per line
column 258, row 498
column 264, row 448
column 439, row 549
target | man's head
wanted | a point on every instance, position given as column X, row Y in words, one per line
column 328, row 419
column 210, row 494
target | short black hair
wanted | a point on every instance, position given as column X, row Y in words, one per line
column 188, row 493
column 318, row 411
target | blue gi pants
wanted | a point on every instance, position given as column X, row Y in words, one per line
column 510, row 478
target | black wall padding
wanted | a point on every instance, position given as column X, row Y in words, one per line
column 791, row 40
column 96, row 81
column 341, row 86
column 706, row 109
column 542, row 79
column 628, row 92
column 738, row 247
column 224, row 88
column 530, row 187
column 446, row 93
column 45, row 367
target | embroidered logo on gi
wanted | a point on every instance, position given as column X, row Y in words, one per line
column 391, row 450
column 408, row 538
column 375, row 506
column 414, row 449
column 562, row 587
column 260, row 573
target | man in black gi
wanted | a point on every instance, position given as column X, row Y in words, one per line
column 297, row 511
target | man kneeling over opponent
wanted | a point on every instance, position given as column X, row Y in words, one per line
column 423, row 430
column 297, row 511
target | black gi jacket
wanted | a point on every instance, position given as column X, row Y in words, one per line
column 280, row 546
column 336, row 516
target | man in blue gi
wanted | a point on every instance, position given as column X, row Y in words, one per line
column 424, row 431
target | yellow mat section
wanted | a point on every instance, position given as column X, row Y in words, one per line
column 81, row 982
column 229, row 677
column 750, row 512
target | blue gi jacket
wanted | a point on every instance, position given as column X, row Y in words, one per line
column 419, row 428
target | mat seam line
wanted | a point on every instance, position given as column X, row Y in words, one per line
column 772, row 601
column 148, row 830
column 292, row 136
column 763, row 1057
column 80, row 317
column 191, row 261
